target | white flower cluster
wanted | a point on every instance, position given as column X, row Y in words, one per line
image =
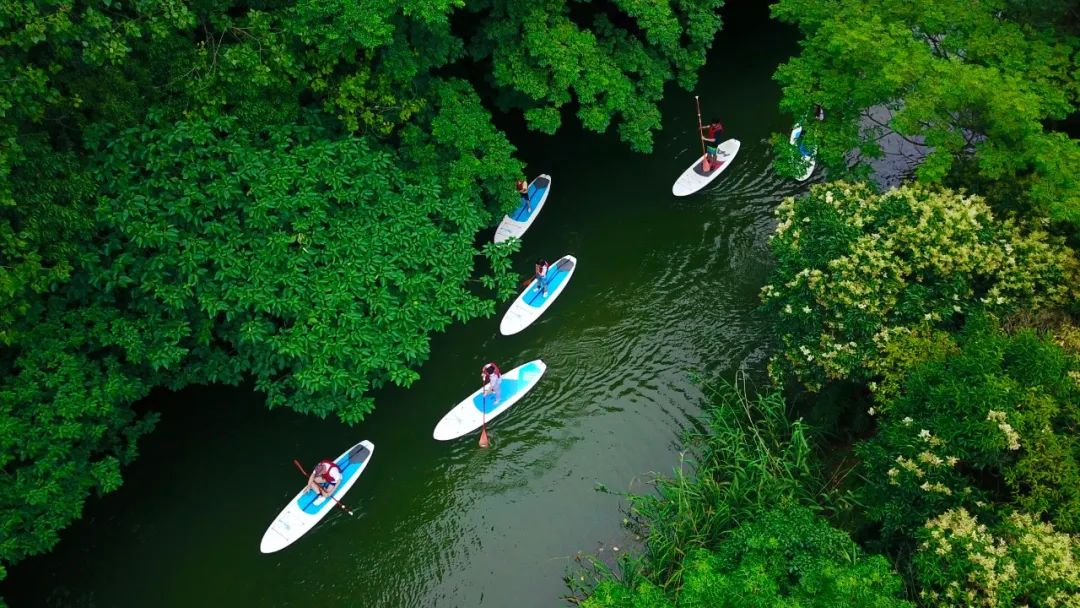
column 1012, row 438
column 847, row 308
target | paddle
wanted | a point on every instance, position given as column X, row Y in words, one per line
column 304, row 473
column 484, row 442
column 699, row 130
column 483, row 426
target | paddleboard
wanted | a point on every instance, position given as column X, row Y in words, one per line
column 694, row 178
column 532, row 302
column 515, row 224
column 795, row 133
column 307, row 508
column 471, row 413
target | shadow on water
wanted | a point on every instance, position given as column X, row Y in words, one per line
column 664, row 287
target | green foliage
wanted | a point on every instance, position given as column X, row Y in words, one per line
column 856, row 270
column 1020, row 561
column 750, row 454
column 41, row 234
column 988, row 423
column 543, row 59
column 965, row 81
column 67, row 427
column 790, row 557
column 732, row 533
column 320, row 266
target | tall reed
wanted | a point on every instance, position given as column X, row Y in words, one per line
column 749, row 456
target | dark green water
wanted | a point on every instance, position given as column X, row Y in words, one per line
column 665, row 287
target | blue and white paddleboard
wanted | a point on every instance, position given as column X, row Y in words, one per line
column 807, row 155
column 515, row 224
column 307, row 508
column 532, row 302
column 695, row 178
column 471, row 413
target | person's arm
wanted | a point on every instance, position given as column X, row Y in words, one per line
column 311, row 485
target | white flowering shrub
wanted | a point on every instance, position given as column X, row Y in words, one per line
column 987, row 421
column 856, row 268
column 1020, row 561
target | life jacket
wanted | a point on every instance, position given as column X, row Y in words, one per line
column 714, row 129
column 328, row 468
column 486, row 375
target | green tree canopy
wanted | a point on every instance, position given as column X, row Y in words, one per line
column 982, row 86
column 318, row 266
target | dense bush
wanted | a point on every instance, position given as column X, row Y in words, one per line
column 1020, row 561
column 732, row 531
column 989, row 423
column 787, row 556
column 750, row 454
column 856, row 269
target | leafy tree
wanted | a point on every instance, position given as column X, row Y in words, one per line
column 545, row 58
column 62, row 67
column 981, row 86
column 67, row 426
column 856, row 269
column 787, row 556
column 987, row 423
column 41, row 234
column 318, row 266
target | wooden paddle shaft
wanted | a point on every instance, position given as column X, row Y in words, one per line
column 699, row 127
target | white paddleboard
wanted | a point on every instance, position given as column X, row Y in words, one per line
column 694, row 178
column 515, row 224
column 795, row 132
column 307, row 508
column 532, row 302
column 470, row 414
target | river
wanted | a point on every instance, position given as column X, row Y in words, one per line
column 665, row 288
